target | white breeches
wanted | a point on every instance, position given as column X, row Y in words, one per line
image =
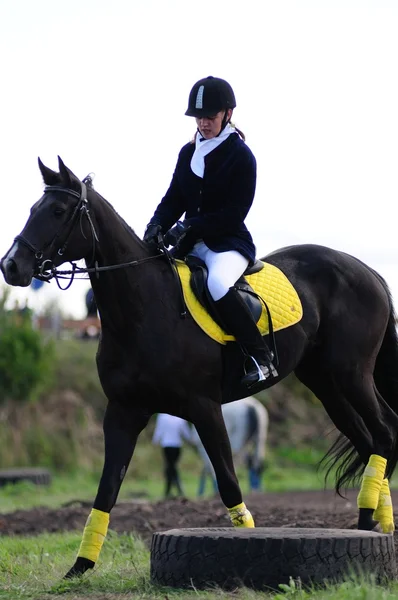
column 224, row 268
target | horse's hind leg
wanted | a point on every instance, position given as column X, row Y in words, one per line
column 382, row 423
column 375, row 492
column 208, row 420
column 384, row 513
column 121, row 430
column 359, row 412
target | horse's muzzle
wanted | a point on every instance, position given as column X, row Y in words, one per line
column 13, row 274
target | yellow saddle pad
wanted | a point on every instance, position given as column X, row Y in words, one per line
column 269, row 283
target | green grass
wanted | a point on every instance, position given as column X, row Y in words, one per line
column 32, row 568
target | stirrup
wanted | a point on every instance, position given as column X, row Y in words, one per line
column 259, row 373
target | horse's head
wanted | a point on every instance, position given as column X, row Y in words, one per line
column 56, row 231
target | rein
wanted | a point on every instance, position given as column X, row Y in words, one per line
column 57, row 274
column 50, row 273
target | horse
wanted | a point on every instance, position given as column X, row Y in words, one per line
column 247, row 426
column 150, row 359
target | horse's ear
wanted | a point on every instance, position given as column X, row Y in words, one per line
column 49, row 177
column 66, row 174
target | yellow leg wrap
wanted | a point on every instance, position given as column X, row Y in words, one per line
column 384, row 513
column 240, row 516
column 372, row 480
column 94, row 534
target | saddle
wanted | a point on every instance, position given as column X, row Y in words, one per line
column 198, row 283
column 278, row 296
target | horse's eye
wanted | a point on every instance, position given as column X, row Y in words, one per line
column 58, row 212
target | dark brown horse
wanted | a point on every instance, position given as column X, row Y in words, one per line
column 150, row 360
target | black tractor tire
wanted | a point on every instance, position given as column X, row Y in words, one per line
column 265, row 557
column 36, row 475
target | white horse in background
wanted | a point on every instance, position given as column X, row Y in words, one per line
column 246, row 421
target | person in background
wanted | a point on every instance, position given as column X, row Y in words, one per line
column 91, row 328
column 170, row 433
column 214, row 184
column 91, row 304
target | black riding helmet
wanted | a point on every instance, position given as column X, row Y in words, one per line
column 208, row 96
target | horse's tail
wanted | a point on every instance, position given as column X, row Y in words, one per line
column 385, row 376
column 351, row 466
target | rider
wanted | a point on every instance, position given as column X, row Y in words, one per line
column 213, row 184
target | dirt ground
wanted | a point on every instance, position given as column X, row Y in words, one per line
column 319, row 509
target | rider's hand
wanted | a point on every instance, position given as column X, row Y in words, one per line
column 151, row 235
column 173, row 235
column 184, row 245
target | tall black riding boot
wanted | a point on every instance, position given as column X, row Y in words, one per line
column 238, row 321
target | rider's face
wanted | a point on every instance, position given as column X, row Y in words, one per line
column 210, row 127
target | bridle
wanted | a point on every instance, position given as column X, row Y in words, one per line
column 45, row 270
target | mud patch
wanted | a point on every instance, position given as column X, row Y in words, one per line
column 322, row 509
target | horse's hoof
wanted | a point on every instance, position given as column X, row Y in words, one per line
column 366, row 521
column 81, row 566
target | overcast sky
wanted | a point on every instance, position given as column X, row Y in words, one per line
column 105, row 85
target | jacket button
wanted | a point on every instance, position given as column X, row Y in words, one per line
column 198, row 209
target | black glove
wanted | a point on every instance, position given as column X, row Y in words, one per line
column 184, row 245
column 151, row 235
column 173, row 235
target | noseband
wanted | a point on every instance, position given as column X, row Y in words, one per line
column 44, row 270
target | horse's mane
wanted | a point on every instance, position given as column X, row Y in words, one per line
column 126, row 226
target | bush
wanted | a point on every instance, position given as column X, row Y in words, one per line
column 26, row 359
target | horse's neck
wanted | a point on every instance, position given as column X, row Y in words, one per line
column 117, row 241
column 121, row 294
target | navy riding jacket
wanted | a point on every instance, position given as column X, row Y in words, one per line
column 216, row 205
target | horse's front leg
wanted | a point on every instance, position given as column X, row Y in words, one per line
column 210, row 426
column 122, row 427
